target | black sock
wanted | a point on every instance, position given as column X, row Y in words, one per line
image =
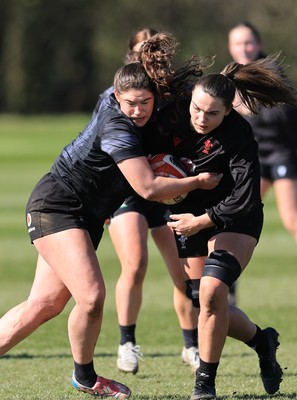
column 85, row 374
column 258, row 342
column 127, row 334
column 190, row 337
column 207, row 372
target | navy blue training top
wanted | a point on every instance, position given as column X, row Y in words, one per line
column 87, row 167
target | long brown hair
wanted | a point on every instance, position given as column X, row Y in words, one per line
column 152, row 67
column 262, row 82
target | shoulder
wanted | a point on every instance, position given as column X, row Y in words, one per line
column 109, row 102
column 234, row 122
column 110, row 115
column 101, row 97
column 235, row 133
column 116, row 131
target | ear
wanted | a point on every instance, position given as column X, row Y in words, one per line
column 228, row 110
column 117, row 95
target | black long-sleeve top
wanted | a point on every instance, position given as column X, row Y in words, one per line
column 229, row 149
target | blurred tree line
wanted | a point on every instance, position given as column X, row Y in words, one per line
column 58, row 55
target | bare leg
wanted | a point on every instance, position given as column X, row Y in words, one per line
column 240, row 326
column 265, row 186
column 129, row 234
column 72, row 257
column 47, row 299
column 286, row 198
column 213, row 323
column 165, row 242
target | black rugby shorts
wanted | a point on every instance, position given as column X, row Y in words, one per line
column 50, row 209
column 284, row 170
column 196, row 245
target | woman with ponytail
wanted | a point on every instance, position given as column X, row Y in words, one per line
column 217, row 231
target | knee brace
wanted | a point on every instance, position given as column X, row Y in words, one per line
column 192, row 291
column 222, row 265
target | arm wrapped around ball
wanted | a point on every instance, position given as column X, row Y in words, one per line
column 172, row 167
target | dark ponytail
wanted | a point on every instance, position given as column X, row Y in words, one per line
column 262, row 82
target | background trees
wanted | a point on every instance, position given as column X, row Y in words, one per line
column 57, row 55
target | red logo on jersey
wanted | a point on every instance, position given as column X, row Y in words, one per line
column 207, row 146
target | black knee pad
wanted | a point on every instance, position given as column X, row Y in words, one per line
column 192, row 291
column 222, row 265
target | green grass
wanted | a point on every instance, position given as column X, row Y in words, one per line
column 40, row 367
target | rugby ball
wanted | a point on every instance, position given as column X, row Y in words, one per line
column 175, row 168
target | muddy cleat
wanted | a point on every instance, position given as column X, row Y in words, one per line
column 271, row 372
column 190, row 356
column 128, row 356
column 104, row 388
column 203, row 391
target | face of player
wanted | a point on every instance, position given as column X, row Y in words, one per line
column 137, row 104
column 243, row 45
column 207, row 112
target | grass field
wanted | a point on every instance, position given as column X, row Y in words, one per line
column 40, row 367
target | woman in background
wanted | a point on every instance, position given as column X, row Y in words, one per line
column 275, row 130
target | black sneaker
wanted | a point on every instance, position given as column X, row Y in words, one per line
column 203, row 391
column 271, row 372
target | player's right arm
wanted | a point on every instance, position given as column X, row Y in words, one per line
column 142, row 179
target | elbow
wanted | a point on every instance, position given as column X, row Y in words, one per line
column 148, row 194
column 152, row 197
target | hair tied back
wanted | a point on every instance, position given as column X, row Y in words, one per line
column 231, row 69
